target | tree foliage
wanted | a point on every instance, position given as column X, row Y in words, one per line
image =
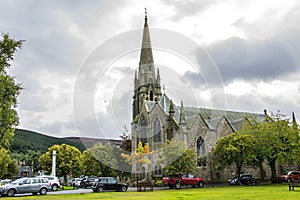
column 275, row 139
column 67, row 160
column 105, row 154
column 9, row 90
column 7, row 165
column 177, row 158
column 89, row 165
column 237, row 149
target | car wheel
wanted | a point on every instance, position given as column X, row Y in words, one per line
column 54, row 187
column 43, row 191
column 100, row 189
column 123, row 188
column 177, row 185
column 200, row 184
column 11, row 193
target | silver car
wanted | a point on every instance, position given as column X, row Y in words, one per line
column 26, row 185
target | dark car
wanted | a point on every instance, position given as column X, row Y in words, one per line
column 290, row 175
column 88, row 181
column 245, row 179
column 109, row 184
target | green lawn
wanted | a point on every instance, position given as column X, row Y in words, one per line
column 267, row 192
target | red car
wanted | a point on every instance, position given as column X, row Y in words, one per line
column 186, row 179
column 290, row 175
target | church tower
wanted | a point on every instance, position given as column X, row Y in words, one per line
column 146, row 81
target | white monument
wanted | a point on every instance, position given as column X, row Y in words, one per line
column 53, row 163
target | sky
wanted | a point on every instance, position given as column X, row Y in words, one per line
column 78, row 61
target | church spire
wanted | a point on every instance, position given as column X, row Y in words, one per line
column 147, row 84
column 146, row 65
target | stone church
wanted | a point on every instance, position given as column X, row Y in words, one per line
column 157, row 119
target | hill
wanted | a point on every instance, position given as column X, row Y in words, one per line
column 29, row 140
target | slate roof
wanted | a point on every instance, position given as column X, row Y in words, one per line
column 212, row 117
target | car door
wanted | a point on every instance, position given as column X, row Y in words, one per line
column 104, row 183
column 112, row 183
column 35, row 185
column 24, row 185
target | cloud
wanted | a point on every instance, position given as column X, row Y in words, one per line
column 188, row 8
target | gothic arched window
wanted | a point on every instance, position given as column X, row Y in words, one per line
column 157, row 130
column 144, row 130
column 200, row 146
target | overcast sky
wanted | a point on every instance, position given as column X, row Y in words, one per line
column 254, row 47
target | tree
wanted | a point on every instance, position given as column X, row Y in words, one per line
column 177, row 158
column 126, row 141
column 67, row 160
column 9, row 90
column 138, row 158
column 105, row 154
column 89, row 165
column 7, row 165
column 279, row 142
column 236, row 148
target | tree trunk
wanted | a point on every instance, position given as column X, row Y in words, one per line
column 238, row 170
column 261, row 170
column 272, row 163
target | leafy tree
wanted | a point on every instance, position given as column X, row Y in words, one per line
column 7, row 165
column 67, row 160
column 236, row 148
column 105, row 154
column 126, row 141
column 279, row 142
column 9, row 90
column 89, row 165
column 139, row 157
column 177, row 158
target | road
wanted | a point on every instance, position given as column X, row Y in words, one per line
column 83, row 191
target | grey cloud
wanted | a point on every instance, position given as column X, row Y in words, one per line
column 267, row 60
column 190, row 8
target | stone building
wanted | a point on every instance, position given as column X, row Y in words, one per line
column 157, row 119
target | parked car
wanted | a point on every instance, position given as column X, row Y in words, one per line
column 288, row 176
column 75, row 182
column 185, row 179
column 109, row 184
column 245, row 179
column 88, row 181
column 26, row 185
column 53, row 180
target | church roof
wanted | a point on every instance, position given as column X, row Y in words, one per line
column 212, row 117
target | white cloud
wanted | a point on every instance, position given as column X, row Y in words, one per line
column 255, row 45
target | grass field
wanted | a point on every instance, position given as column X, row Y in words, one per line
column 266, row 192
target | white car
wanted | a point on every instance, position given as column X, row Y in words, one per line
column 53, row 180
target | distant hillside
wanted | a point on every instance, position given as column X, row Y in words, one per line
column 29, row 140
column 90, row 142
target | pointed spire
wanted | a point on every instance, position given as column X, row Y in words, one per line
column 294, row 119
column 135, row 80
column 146, row 14
column 146, row 56
column 158, row 77
column 171, row 109
column 182, row 116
